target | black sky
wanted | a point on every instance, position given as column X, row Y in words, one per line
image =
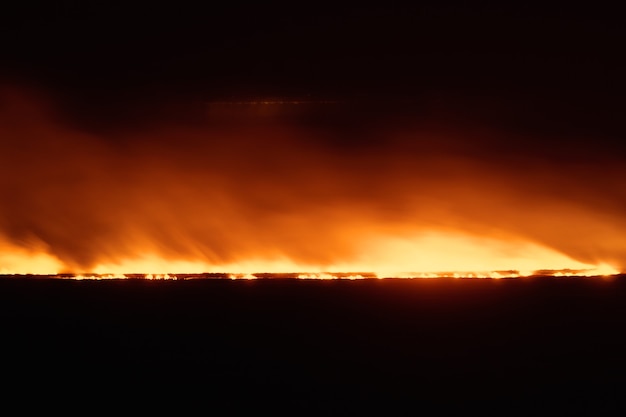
column 313, row 47
column 540, row 66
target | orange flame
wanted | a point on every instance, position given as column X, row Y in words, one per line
column 277, row 195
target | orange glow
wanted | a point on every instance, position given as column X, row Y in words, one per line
column 256, row 195
column 18, row 260
column 427, row 256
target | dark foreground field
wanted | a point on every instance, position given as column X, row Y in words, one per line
column 540, row 346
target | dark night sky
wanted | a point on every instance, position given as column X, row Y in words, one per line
column 314, row 47
column 530, row 59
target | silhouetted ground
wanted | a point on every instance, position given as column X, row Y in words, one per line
column 540, row 346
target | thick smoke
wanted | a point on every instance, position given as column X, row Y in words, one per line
column 267, row 181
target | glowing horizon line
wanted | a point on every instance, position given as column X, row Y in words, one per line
column 604, row 271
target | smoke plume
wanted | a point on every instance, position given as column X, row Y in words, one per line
column 312, row 183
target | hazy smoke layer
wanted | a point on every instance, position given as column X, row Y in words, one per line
column 306, row 182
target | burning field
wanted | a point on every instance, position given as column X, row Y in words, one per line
column 311, row 255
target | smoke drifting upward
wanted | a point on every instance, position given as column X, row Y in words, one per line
column 300, row 186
